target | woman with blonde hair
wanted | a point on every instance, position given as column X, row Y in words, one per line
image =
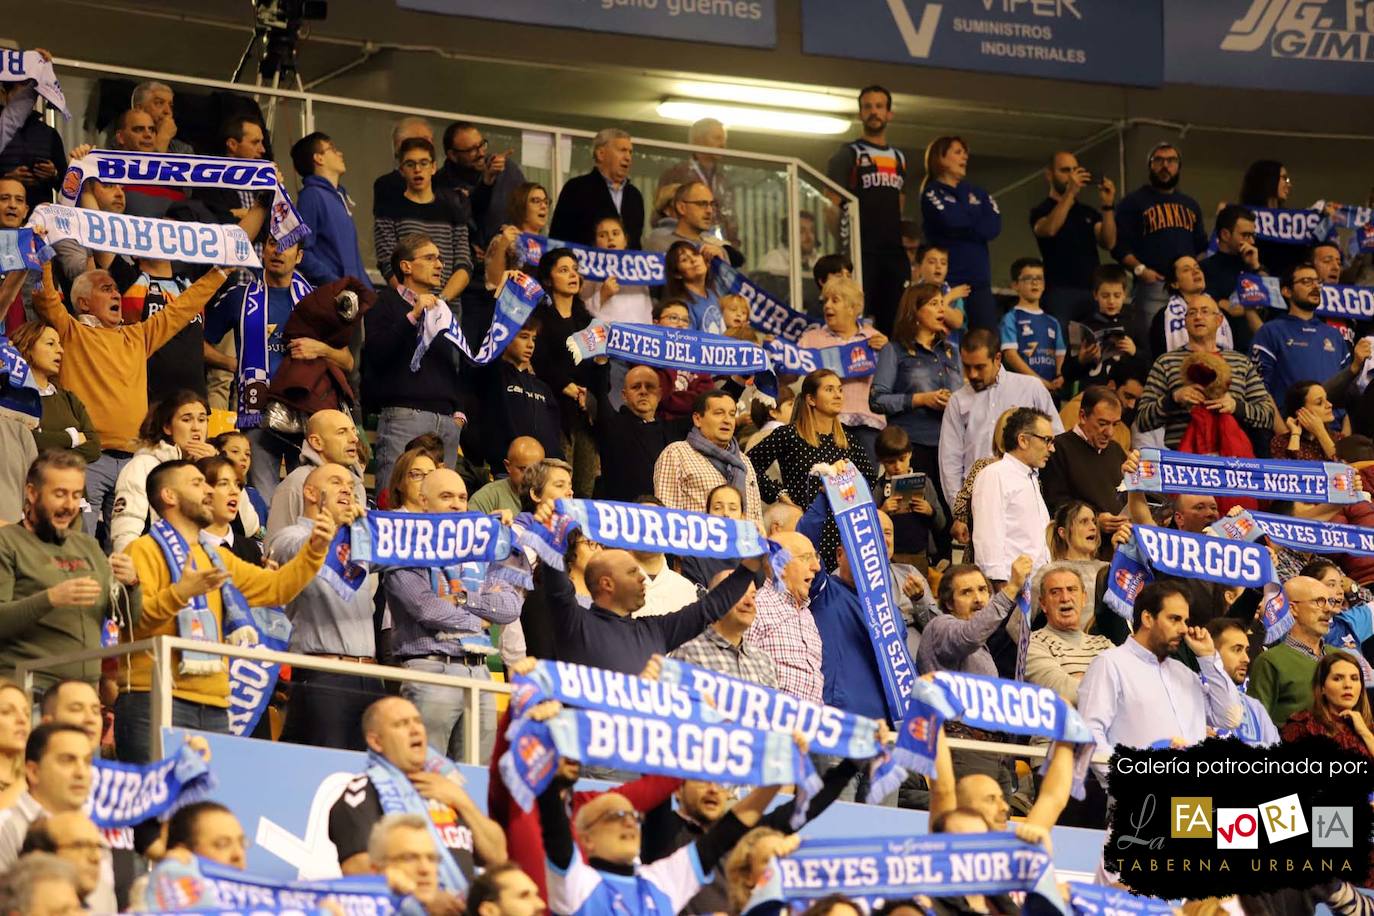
column 745, row 865
column 15, row 710
column 842, row 305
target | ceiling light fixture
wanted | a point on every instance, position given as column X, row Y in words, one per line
column 740, row 117
column 765, row 96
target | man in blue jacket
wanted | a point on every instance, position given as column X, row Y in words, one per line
column 330, row 252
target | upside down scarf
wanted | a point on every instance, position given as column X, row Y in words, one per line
column 630, row 268
column 16, row 66
column 515, row 300
column 141, row 237
column 1165, row 471
column 851, row 360
column 253, row 377
column 1354, row 303
column 766, row 314
column 655, row 528
column 675, row 348
column 195, row 621
column 398, row 796
column 19, row 396
column 206, row 885
column 124, row 794
column 1097, row 900
column 861, row 534
column 251, row 682
column 897, row 868
column 990, row 703
column 175, row 170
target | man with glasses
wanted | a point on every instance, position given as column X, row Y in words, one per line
column 331, row 251
column 1298, row 345
column 696, row 209
column 605, row 191
column 392, row 184
column 402, row 848
column 483, row 179
column 1086, row 462
column 74, row 838
column 1156, row 224
column 439, row 215
column 1009, row 514
column 1281, row 676
column 1169, row 398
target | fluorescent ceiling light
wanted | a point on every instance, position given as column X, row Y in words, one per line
column 740, row 117
column 765, row 96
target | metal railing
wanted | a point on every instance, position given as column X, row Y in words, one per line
column 163, row 679
column 797, row 175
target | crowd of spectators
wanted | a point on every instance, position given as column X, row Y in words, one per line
column 994, row 436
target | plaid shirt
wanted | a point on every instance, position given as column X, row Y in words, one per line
column 785, row 630
column 683, row 478
column 712, row 651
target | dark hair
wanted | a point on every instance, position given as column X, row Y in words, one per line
column 431, row 445
column 1286, row 279
column 550, row 260
column 1151, row 599
column 926, row 248
column 232, row 129
column 211, row 465
column 675, row 288
column 304, row 150
column 38, row 838
column 1318, row 567
column 407, row 246
column 1094, row 395
column 160, row 416
column 1355, row 447
column 1331, row 243
column 824, row 905
column 519, row 199
column 703, row 399
column 181, row 828
column 40, row 737
column 610, row 218
column 913, row 298
column 1171, row 281
column 154, row 484
column 453, row 130
column 1320, row 713
column 398, row 474
column 827, row 265
column 223, row 438
column 58, row 459
column 935, row 151
column 1219, row 625
column 1022, row 420
column 1261, row 183
column 644, row 501
column 411, row 143
column 1021, row 264
column 1063, row 518
column 980, row 339
column 759, row 411
column 48, row 705
column 1295, row 398
column 1230, row 214
column 486, row 887
column 875, row 88
column 1108, row 273
column 892, row 442
column 945, row 596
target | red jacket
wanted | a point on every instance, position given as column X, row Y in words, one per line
column 524, row 837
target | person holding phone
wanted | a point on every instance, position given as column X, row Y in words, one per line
column 31, row 152
column 1069, row 232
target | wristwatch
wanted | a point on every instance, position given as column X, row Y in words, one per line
column 1139, row 269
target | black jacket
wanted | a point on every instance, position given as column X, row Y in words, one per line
column 388, row 345
column 629, row 448
column 586, row 200
column 516, row 403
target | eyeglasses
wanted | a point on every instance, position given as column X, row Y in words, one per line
column 537, row 201
column 1163, row 160
column 469, row 150
column 1045, row 439
column 1040, row 280
column 618, row 815
column 412, row 164
column 87, row 846
column 1200, row 313
column 1319, row 602
column 1307, row 281
column 417, row 476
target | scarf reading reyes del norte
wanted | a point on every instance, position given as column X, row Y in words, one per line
column 1301, row 534
column 411, row 539
column 253, row 377
column 1165, row 471
column 866, row 552
column 675, row 348
column 17, row 66
column 208, row 886
column 990, row 703
column 125, row 794
column 766, row 314
column 1196, row 556
column 1354, row 303
column 196, row 621
column 397, row 795
column 174, row 170
column 630, row 268
column 630, row 723
column 655, row 528
column 142, row 237
column 517, row 297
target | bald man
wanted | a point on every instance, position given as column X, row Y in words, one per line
column 440, row 620
column 783, row 625
column 504, row 493
column 630, row 439
column 984, row 794
column 1281, row 676
column 325, row 709
column 330, row 437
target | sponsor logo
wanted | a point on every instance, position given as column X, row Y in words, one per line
column 1304, row 29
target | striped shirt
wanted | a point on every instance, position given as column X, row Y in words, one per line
column 443, row 220
column 1057, row 659
column 1157, row 406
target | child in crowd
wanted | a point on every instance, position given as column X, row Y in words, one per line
column 234, row 446
column 735, row 310
column 611, row 300
column 1032, row 342
column 1106, row 352
column 902, row 494
column 678, row 387
column 932, row 266
column 521, row 403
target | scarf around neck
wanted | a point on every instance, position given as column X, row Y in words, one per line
column 730, row 462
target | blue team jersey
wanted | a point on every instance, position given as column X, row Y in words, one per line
column 1349, row 630
column 1288, row 349
column 661, row 888
column 1037, row 337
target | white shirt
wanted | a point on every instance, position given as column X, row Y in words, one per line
column 971, row 416
column 666, row 593
column 1009, row 517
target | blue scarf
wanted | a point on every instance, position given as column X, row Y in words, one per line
column 1096, row 900
column 936, row 865
column 204, row 885
column 1213, row 559
column 674, row 348
column 18, row 66
column 677, row 531
column 1299, row 534
column 251, row 682
column 254, row 378
column 1354, row 303
column 428, row 539
column 1361, row 241
column 1345, row 217
column 515, row 300
column 866, row 552
column 766, row 314
column 851, row 360
column 1128, row 575
column 125, row 794
column 398, row 796
column 630, row 268
column 141, row 237
column 19, row 397
column 1290, row 227
column 1165, row 471
column 175, row 170
column 195, row 621
column 20, row 249
column 989, row 703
